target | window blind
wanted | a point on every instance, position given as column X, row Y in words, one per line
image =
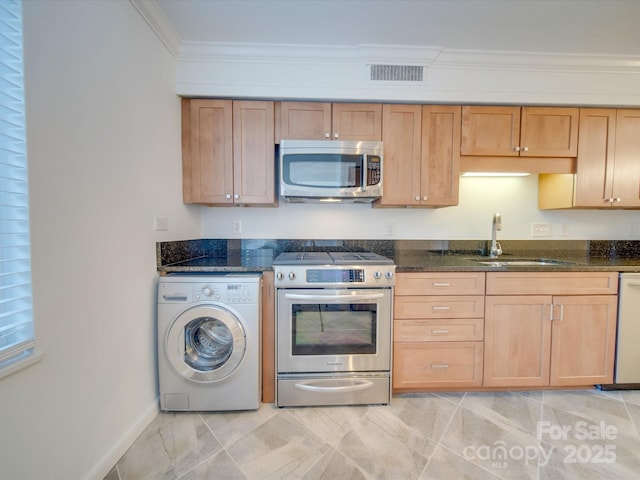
column 16, row 314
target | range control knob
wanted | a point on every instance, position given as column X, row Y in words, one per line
column 377, row 275
column 389, row 275
column 206, row 291
column 292, row 275
column 280, row 275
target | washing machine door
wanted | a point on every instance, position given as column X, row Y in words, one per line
column 206, row 343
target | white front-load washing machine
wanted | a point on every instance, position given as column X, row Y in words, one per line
column 209, row 331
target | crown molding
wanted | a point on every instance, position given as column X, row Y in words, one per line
column 537, row 61
column 295, row 53
column 160, row 24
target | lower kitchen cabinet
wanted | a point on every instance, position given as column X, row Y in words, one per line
column 549, row 329
column 438, row 330
column 422, row 365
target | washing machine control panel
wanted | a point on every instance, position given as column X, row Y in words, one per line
column 228, row 292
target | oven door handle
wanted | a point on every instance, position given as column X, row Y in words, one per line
column 348, row 388
column 333, row 298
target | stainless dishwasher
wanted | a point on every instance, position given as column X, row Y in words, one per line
column 627, row 370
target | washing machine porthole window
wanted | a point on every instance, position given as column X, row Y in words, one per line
column 206, row 343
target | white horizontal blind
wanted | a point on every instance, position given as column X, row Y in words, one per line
column 16, row 315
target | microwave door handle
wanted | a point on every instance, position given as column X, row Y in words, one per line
column 333, row 298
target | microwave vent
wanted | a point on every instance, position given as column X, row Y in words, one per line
column 397, row 73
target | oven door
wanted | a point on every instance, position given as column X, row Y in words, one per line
column 331, row 330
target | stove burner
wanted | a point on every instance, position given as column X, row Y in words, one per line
column 331, row 258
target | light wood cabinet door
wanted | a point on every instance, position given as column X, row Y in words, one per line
column 401, row 132
column 207, row 151
column 519, row 132
column 490, row 131
column 626, row 174
column 438, row 364
column 253, row 153
column 549, row 132
column 552, row 283
column 438, row 330
column 305, row 121
column 357, row 121
column 454, row 306
column 326, row 121
column 440, row 283
column 583, row 340
column 595, row 164
column 440, row 170
column 421, row 155
column 517, row 341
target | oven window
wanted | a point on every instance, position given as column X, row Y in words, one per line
column 335, row 329
column 323, row 170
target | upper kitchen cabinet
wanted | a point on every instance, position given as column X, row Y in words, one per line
column 421, row 155
column 326, row 121
column 607, row 171
column 548, row 134
column 228, row 152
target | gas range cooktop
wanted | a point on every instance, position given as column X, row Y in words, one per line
column 331, row 258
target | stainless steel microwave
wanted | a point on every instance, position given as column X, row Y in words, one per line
column 330, row 171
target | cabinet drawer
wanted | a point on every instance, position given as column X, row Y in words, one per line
column 461, row 306
column 446, row 364
column 449, row 330
column 468, row 283
column 552, row 283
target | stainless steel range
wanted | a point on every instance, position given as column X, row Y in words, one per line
column 333, row 328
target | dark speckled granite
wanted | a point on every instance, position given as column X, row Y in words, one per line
column 256, row 255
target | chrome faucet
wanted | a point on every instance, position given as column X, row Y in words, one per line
column 496, row 225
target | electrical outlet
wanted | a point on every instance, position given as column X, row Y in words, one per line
column 389, row 228
column 161, row 224
column 237, row 226
column 540, row 229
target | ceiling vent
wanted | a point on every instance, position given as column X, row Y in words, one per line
column 397, row 73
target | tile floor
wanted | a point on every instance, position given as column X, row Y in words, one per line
column 503, row 435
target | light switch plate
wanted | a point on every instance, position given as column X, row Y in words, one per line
column 540, row 229
column 161, row 224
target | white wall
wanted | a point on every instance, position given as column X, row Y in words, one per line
column 103, row 126
column 516, row 198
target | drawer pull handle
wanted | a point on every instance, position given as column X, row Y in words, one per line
column 439, row 284
column 440, row 331
column 439, row 365
column 441, row 308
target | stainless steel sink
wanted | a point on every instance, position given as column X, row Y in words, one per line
column 521, row 262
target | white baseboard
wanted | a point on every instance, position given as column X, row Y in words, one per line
column 106, row 463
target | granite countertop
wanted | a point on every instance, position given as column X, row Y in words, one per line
column 219, row 256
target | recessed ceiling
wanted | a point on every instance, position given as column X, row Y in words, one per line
column 547, row 26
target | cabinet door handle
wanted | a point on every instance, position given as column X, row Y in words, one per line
column 440, row 331
column 228, row 196
column 335, row 135
column 441, row 284
column 439, row 365
column 424, row 198
column 516, row 149
column 553, row 311
column 417, row 198
column 444, row 307
column 525, row 149
column 236, row 196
